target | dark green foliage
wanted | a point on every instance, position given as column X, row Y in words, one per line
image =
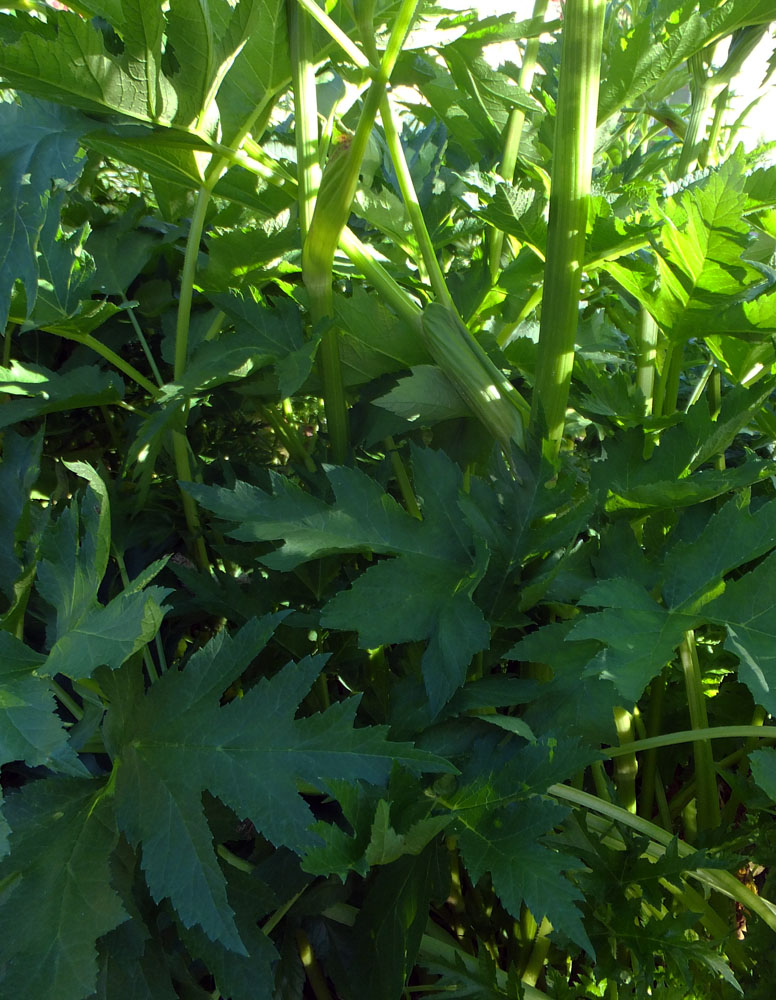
column 275, row 727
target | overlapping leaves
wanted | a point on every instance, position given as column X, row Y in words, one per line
column 640, row 634
column 424, row 592
column 175, row 741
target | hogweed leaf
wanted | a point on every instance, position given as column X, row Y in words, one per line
column 29, row 728
column 42, row 391
column 175, row 741
column 423, row 594
column 506, row 843
column 59, row 899
column 38, row 152
column 74, row 554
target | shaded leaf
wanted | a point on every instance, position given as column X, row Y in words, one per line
column 38, row 152
column 29, row 728
column 52, row 392
column 175, row 741
column 60, row 899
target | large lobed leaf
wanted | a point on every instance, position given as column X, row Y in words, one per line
column 176, row 741
column 705, row 287
column 423, row 593
column 640, row 635
column 86, row 634
column 58, row 898
column 38, row 153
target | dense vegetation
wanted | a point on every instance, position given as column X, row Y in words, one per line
column 388, row 528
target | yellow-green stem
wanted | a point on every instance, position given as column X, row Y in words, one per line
column 625, row 765
column 705, row 773
column 412, row 204
column 649, row 765
column 402, row 478
column 572, row 163
column 305, row 113
column 647, row 358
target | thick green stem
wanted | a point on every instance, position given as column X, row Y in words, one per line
column 703, row 94
column 705, row 773
column 391, row 291
column 332, row 208
column 538, row 956
column 180, row 446
column 667, row 391
column 513, row 135
column 649, row 765
column 707, row 89
column 572, row 164
column 720, row 881
column 336, row 33
column 67, row 700
column 625, row 765
column 305, row 114
column 647, row 358
column 752, row 732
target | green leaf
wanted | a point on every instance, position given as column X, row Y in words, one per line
column 640, row 635
column 696, row 565
column 638, row 62
column 52, row 392
column 414, row 598
column 425, row 397
column 569, row 703
column 117, row 271
column 67, row 60
column 747, row 609
column 176, row 741
column 664, row 481
column 243, row 256
column 363, row 518
column 386, row 845
column 374, row 341
column 240, row 977
column 66, row 282
column 704, row 286
column 19, row 472
column 29, row 727
column 390, row 924
column 424, row 594
column 522, row 516
column 763, row 764
column 342, row 852
column 262, row 68
column 73, row 559
column 520, row 212
column 275, row 333
column 60, row 899
column 505, row 843
column 74, row 555
column 38, row 153
column 163, row 155
column 476, row 980
column 108, row 635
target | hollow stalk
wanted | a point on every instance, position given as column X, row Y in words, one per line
column 572, row 164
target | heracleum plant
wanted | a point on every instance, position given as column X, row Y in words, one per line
column 388, row 541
